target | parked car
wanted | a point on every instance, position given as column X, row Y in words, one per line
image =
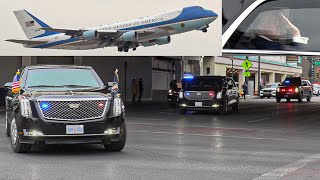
column 209, row 93
column 270, row 27
column 63, row 105
column 316, row 89
column 294, row 88
column 269, row 90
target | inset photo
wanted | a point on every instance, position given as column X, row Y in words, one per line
column 111, row 28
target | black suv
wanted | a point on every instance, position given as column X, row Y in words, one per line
column 294, row 88
column 213, row 93
column 63, row 105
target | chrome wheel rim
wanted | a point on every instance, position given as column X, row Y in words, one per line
column 14, row 132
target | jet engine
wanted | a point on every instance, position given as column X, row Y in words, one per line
column 130, row 36
column 90, row 35
column 163, row 40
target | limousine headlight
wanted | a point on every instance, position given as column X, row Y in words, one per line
column 25, row 107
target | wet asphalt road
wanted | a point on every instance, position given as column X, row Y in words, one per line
column 266, row 140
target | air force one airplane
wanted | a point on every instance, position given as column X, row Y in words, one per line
column 148, row 31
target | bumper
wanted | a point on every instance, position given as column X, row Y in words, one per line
column 292, row 95
column 267, row 94
column 173, row 98
column 56, row 132
column 204, row 105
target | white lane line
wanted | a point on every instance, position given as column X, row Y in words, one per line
column 185, row 125
column 220, row 135
column 259, row 120
column 289, row 168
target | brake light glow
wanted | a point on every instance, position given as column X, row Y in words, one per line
column 211, row 94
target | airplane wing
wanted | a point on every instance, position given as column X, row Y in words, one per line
column 102, row 33
column 27, row 42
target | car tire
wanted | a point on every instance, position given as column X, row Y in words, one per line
column 235, row 107
column 278, row 99
column 16, row 145
column 7, row 125
column 288, row 100
column 182, row 111
column 299, row 98
column 318, row 93
column 261, row 97
column 224, row 109
column 268, row 97
column 117, row 146
column 309, row 98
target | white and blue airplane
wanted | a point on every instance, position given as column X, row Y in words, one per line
column 148, row 31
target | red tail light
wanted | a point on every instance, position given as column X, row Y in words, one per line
column 211, row 93
column 290, row 90
column 283, row 90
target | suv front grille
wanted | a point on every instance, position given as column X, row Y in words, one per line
column 72, row 110
column 198, row 95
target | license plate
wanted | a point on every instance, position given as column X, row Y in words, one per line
column 198, row 104
column 286, row 95
column 74, row 129
column 267, row 93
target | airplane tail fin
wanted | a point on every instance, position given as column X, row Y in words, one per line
column 31, row 25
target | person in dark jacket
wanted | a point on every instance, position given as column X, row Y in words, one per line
column 140, row 84
column 244, row 89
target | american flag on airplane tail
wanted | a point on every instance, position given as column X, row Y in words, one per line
column 29, row 23
column 16, row 83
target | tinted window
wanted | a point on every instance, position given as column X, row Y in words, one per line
column 202, row 84
column 271, row 86
column 291, row 25
column 232, row 8
column 292, row 82
column 61, row 79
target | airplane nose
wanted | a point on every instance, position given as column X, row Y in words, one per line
column 212, row 14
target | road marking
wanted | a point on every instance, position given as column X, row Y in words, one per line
column 289, row 168
column 220, row 135
column 185, row 125
column 259, row 120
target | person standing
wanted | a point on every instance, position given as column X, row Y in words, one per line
column 134, row 90
column 140, row 83
column 244, row 89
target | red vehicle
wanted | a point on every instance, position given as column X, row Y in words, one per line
column 294, row 88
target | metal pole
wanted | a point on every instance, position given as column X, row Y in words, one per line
column 232, row 68
column 259, row 75
column 247, row 80
column 125, row 82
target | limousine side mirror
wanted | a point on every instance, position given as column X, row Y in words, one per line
column 8, row 86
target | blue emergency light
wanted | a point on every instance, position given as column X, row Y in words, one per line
column 44, row 105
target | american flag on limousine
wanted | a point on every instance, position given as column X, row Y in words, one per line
column 16, row 83
column 29, row 23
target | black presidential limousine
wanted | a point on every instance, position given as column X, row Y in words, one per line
column 63, row 105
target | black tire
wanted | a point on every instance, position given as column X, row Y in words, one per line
column 261, row 97
column 278, row 99
column 235, row 107
column 268, row 97
column 182, row 111
column 300, row 98
column 224, row 109
column 288, row 100
column 117, row 146
column 7, row 125
column 309, row 98
column 15, row 139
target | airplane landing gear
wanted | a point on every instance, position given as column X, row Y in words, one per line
column 120, row 49
column 205, row 30
column 134, row 49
